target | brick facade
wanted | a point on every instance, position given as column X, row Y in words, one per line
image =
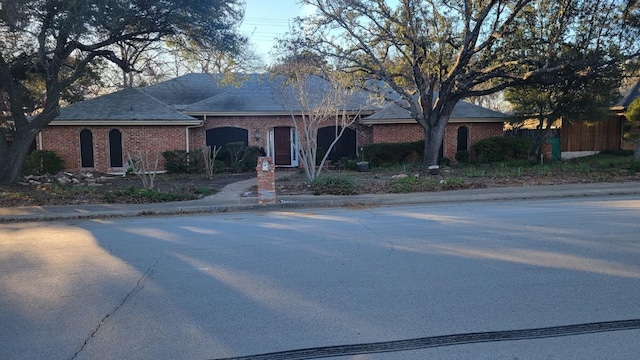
column 65, row 140
column 392, row 133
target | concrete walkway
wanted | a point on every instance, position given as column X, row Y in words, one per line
column 231, row 198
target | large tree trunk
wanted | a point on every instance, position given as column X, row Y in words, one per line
column 13, row 156
column 434, row 125
column 636, row 153
column 432, row 142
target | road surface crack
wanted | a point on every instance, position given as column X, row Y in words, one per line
column 139, row 286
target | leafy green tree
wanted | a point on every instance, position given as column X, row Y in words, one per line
column 633, row 116
column 574, row 99
column 56, row 43
column 427, row 55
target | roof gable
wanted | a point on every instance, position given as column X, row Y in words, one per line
column 187, row 89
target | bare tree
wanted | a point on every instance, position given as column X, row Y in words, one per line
column 142, row 166
column 317, row 98
column 193, row 58
column 210, row 155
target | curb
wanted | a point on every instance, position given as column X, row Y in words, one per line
column 327, row 201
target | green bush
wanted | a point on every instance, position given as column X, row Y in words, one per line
column 180, row 161
column 239, row 157
column 499, row 149
column 219, row 166
column 445, row 161
column 388, row 154
column 250, row 158
column 41, row 162
column 463, row 156
column 348, row 164
column 334, row 185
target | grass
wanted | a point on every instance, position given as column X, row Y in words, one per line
column 132, row 194
column 334, row 184
column 412, row 184
column 205, row 191
column 596, row 168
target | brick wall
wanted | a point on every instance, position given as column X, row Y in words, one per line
column 263, row 124
column 250, row 123
column 65, row 141
column 391, row 133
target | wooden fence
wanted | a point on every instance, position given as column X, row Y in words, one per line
column 597, row 136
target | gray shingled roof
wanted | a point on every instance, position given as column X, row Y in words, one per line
column 187, row 89
column 257, row 93
column 124, row 105
column 463, row 110
column 200, row 94
column 629, row 93
column 263, row 93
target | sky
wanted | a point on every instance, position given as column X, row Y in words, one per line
column 265, row 20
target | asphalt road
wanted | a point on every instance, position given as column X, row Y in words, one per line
column 543, row 279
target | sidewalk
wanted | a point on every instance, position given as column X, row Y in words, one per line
column 231, row 198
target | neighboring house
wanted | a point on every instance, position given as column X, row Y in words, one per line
column 195, row 110
column 601, row 135
column 467, row 125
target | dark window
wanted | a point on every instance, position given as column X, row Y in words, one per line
column 86, row 149
column 115, row 148
column 463, row 138
column 224, row 135
column 345, row 147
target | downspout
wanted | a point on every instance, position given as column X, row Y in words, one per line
column 192, row 127
column 40, row 144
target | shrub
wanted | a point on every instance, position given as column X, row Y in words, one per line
column 240, row 157
column 498, row 149
column 463, row 156
column 388, row 154
column 334, row 185
column 219, row 166
column 348, row 164
column 181, row 161
column 41, row 162
column 250, row 158
column 445, row 161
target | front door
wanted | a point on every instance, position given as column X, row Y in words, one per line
column 282, row 146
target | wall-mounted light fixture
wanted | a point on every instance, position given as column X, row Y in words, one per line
column 256, row 134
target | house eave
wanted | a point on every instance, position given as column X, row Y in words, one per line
column 126, row 122
column 412, row 121
column 261, row 113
